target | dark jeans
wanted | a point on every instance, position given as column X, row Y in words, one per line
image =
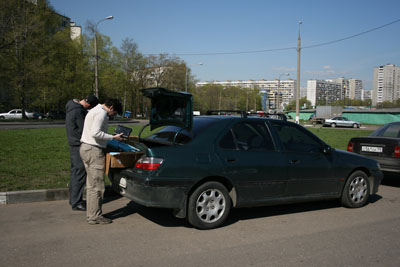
column 78, row 177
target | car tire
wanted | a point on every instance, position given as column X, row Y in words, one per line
column 333, row 125
column 209, row 206
column 2, row 117
column 356, row 191
column 355, row 125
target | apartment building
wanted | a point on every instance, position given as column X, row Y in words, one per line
column 355, row 89
column 324, row 92
column 366, row 94
column 386, row 84
column 276, row 93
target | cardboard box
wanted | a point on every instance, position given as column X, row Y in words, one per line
column 121, row 159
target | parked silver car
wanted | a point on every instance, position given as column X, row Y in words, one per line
column 15, row 114
column 342, row 121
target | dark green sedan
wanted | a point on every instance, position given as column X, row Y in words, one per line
column 203, row 166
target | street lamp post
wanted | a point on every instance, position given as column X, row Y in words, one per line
column 298, row 77
column 279, row 87
column 186, row 75
column 96, row 64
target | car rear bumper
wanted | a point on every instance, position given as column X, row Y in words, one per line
column 170, row 194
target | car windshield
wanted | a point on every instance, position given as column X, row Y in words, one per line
column 168, row 133
column 389, row 130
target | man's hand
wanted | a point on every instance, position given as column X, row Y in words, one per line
column 119, row 137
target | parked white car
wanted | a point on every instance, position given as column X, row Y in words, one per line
column 342, row 121
column 15, row 114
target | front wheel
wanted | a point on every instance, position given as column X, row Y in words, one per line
column 209, row 206
column 355, row 125
column 356, row 191
column 333, row 125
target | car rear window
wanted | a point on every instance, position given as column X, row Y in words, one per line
column 168, row 133
column 390, row 130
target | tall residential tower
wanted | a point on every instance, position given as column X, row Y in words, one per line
column 386, row 86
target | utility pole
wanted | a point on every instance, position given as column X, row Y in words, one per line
column 298, row 77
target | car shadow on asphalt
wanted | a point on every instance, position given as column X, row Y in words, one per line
column 391, row 180
column 165, row 217
column 159, row 216
column 242, row 214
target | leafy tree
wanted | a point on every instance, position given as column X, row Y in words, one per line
column 26, row 29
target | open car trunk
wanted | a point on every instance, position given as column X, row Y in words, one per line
column 167, row 108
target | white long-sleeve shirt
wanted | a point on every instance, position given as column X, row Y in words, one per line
column 95, row 127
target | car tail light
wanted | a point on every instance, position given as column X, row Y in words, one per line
column 149, row 163
column 397, row 152
column 350, row 146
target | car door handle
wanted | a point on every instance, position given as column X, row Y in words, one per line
column 294, row 161
column 230, row 160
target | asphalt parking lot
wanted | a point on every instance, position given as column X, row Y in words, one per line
column 311, row 234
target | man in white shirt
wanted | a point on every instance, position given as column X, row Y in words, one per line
column 94, row 139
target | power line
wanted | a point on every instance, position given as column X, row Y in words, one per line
column 352, row 36
column 233, row 53
column 286, row 48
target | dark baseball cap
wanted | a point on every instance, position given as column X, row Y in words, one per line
column 92, row 100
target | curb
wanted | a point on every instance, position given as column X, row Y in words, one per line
column 33, row 196
column 28, row 196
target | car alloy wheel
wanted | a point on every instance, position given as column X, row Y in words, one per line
column 209, row 206
column 355, row 125
column 356, row 190
column 333, row 125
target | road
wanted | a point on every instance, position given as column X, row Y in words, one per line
column 8, row 125
column 312, row 234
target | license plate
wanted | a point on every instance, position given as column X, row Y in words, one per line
column 376, row 149
column 122, row 183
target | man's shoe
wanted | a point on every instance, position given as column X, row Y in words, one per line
column 100, row 220
column 80, row 207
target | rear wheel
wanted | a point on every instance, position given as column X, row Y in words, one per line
column 356, row 191
column 209, row 206
column 333, row 125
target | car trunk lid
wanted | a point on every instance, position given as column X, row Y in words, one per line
column 169, row 108
column 376, row 146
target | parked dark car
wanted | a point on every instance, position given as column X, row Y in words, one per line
column 38, row 115
column 55, row 115
column 383, row 145
column 205, row 165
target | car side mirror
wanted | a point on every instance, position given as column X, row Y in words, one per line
column 327, row 149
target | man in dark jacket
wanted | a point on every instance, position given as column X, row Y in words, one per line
column 75, row 116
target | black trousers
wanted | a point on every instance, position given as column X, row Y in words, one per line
column 78, row 177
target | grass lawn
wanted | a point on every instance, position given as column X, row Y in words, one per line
column 39, row 158
column 338, row 138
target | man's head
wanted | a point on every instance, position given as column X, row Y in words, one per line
column 92, row 101
column 114, row 106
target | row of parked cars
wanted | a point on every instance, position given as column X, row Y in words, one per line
column 17, row 114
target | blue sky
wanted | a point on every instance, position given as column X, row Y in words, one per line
column 189, row 28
